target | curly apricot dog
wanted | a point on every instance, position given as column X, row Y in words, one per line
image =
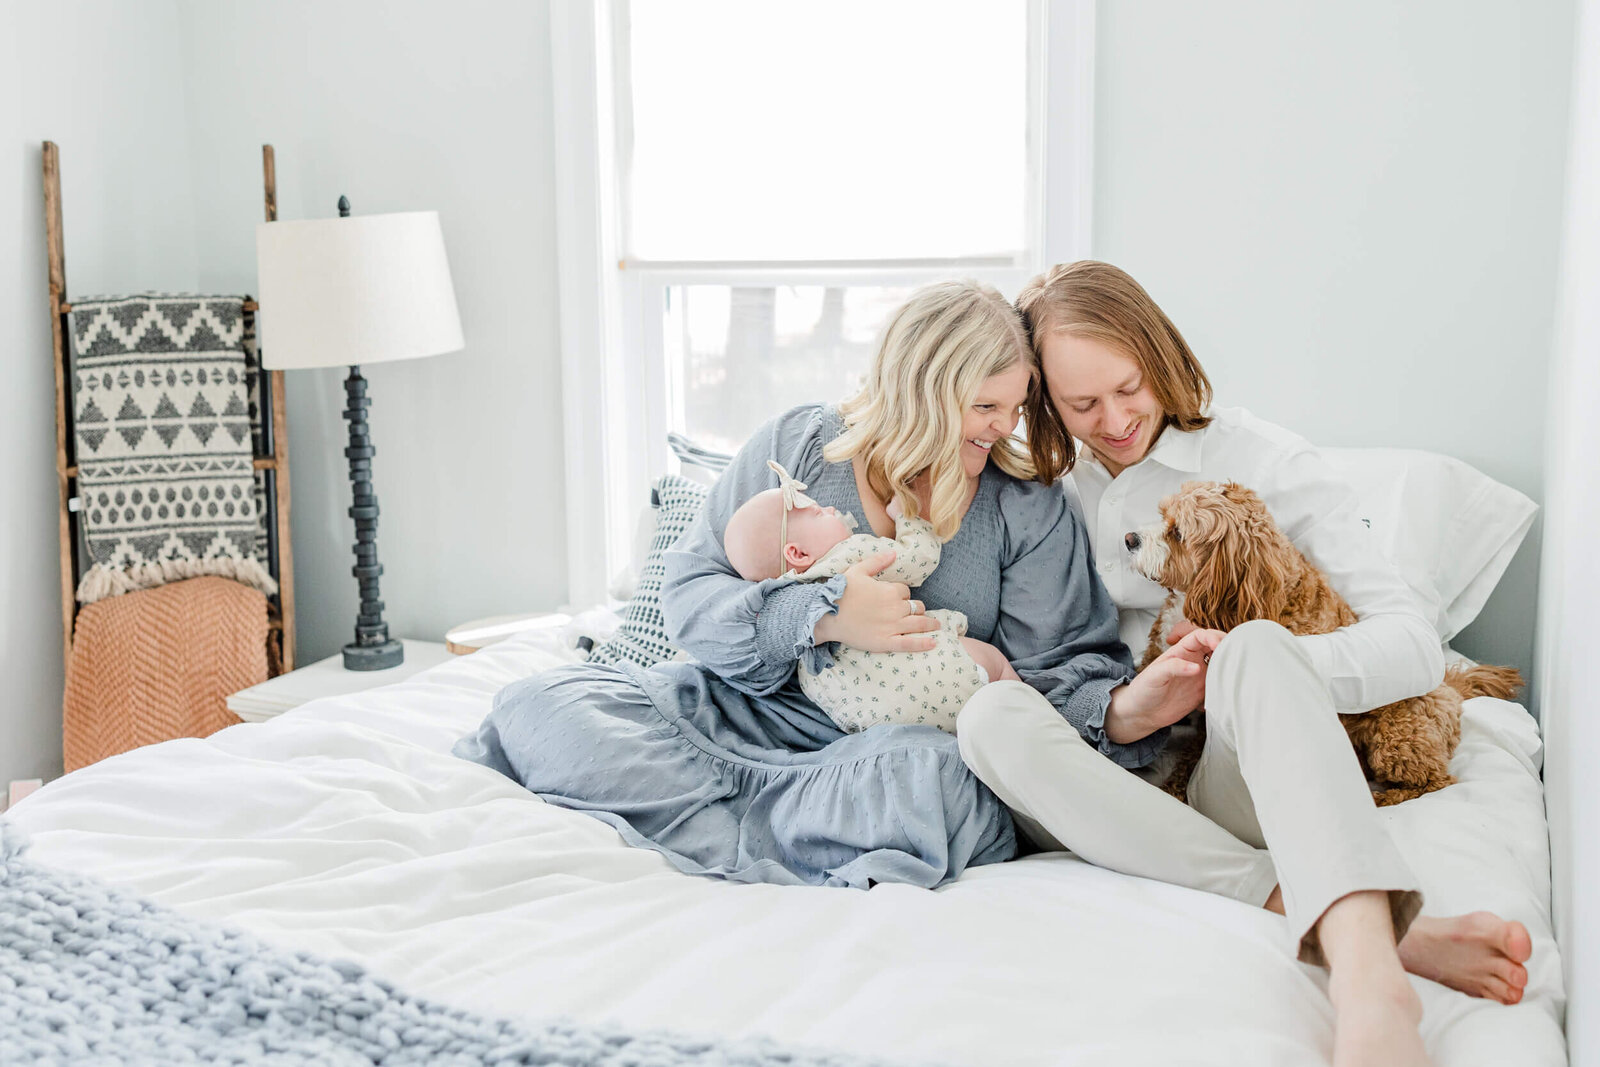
column 1224, row 562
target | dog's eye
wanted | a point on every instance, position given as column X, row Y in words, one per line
column 1175, row 533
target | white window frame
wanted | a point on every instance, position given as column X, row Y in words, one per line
column 615, row 387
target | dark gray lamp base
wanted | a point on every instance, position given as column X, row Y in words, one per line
column 373, row 649
column 374, row 657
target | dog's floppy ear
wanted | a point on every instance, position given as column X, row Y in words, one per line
column 1243, row 574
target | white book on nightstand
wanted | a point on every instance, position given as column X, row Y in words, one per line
column 328, row 678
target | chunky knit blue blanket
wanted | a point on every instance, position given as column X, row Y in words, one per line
column 93, row 975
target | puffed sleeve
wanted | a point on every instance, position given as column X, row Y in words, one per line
column 1058, row 625
column 749, row 633
column 1392, row 651
column 916, row 552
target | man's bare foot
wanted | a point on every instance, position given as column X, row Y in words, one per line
column 1480, row 954
column 1375, row 1022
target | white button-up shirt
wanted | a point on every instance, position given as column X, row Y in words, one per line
column 1391, row 653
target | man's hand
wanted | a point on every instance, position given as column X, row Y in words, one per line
column 1163, row 693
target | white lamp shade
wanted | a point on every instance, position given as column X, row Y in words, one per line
column 357, row 290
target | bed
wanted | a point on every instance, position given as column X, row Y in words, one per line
column 346, row 828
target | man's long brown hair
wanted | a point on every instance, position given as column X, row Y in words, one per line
column 1094, row 299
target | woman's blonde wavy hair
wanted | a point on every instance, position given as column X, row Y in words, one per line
column 936, row 352
column 1094, row 299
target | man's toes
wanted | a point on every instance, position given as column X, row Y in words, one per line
column 1514, row 975
column 1498, row 989
column 1517, row 944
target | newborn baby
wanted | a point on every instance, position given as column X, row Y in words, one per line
column 784, row 533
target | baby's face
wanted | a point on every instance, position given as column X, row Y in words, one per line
column 814, row 530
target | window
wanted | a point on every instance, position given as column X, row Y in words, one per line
column 833, row 131
column 736, row 355
column 753, row 188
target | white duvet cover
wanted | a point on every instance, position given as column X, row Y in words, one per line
column 346, row 828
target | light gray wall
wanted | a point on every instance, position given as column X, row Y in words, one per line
column 1350, row 209
column 101, row 79
column 1352, row 212
column 404, row 106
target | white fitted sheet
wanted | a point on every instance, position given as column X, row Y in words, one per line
column 345, row 827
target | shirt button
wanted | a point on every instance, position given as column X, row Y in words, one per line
column 1113, row 500
column 1105, row 566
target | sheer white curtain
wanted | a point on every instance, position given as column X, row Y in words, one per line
column 1568, row 679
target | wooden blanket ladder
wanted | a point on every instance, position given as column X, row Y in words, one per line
column 271, row 461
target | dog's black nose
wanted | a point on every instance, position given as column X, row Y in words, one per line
column 1132, row 541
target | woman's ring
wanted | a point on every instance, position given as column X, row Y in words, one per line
column 914, row 607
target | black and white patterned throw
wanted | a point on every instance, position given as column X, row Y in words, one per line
column 642, row 637
column 161, row 411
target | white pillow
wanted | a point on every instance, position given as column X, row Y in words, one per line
column 1450, row 528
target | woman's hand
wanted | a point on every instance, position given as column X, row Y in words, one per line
column 1163, row 693
column 877, row 616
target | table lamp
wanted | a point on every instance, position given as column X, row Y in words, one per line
column 343, row 292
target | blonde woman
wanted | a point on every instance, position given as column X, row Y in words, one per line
column 1281, row 814
column 723, row 765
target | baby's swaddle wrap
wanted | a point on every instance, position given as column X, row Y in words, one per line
column 864, row 689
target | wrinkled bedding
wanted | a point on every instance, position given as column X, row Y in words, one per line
column 345, row 827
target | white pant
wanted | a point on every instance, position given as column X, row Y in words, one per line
column 1278, row 774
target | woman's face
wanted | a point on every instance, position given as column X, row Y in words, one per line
column 1102, row 398
column 992, row 415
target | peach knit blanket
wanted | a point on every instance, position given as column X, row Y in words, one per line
column 159, row 663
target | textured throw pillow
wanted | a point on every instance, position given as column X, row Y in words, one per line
column 696, row 457
column 642, row 637
column 700, row 464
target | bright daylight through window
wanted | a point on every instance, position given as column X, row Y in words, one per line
column 778, row 203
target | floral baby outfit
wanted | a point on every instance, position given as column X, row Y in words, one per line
column 863, row 689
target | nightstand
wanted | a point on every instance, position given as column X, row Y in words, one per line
column 470, row 636
column 328, row 678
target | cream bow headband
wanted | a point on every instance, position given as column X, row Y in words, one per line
column 793, row 497
column 793, row 490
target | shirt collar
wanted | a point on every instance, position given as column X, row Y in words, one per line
column 1178, row 450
